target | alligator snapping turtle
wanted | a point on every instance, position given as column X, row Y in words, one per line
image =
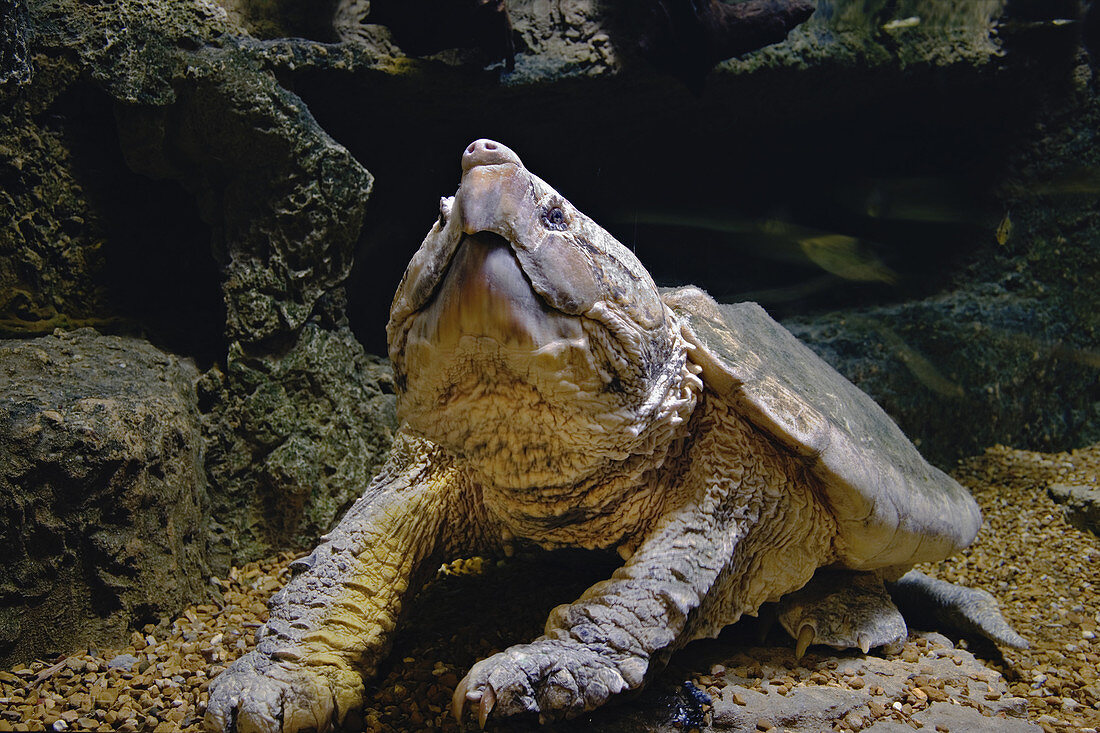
column 549, row 393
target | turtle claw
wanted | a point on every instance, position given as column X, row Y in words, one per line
column 488, row 700
column 485, row 699
column 805, row 638
column 461, row 695
column 458, row 701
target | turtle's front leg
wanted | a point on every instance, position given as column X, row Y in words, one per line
column 332, row 624
column 610, row 638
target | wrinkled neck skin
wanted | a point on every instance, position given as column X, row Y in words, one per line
column 559, row 462
column 597, row 490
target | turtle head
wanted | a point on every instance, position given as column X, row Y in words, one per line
column 525, row 338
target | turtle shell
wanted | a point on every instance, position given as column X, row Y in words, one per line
column 892, row 508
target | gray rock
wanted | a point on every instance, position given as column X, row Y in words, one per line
column 808, row 708
column 935, row 364
column 882, row 686
column 284, row 200
column 51, row 258
column 1081, row 504
column 586, row 40
column 102, row 491
column 122, row 661
column 15, row 66
column 962, row 717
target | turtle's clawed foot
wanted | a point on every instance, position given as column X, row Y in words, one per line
column 551, row 677
column 970, row 610
column 845, row 610
column 259, row 694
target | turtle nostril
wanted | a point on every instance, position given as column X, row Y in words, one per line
column 487, row 152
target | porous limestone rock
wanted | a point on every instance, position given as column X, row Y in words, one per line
column 102, row 491
column 191, row 100
column 15, row 66
column 307, row 427
column 51, row 236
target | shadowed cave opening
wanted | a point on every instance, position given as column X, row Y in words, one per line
column 160, row 274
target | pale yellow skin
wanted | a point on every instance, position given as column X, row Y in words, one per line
column 547, row 396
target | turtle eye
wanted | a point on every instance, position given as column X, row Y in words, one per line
column 554, row 218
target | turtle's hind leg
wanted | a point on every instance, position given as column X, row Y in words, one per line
column 970, row 610
column 843, row 609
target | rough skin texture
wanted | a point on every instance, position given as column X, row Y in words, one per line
column 548, row 395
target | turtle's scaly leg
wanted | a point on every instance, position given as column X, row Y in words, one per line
column 603, row 643
column 332, row 623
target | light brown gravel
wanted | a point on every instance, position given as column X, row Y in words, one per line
column 165, row 690
column 1045, row 572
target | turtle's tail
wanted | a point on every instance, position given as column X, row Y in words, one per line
column 970, row 610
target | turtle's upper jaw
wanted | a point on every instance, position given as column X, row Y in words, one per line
column 573, row 265
column 497, row 195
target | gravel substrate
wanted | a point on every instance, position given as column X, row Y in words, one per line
column 1045, row 572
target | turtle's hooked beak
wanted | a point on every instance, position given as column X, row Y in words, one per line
column 496, row 195
column 492, row 197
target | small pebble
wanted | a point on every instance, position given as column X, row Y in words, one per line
column 122, row 661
